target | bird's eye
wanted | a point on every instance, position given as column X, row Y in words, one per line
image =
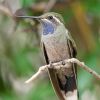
column 50, row 17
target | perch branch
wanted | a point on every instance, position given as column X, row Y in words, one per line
column 85, row 67
column 36, row 75
column 58, row 65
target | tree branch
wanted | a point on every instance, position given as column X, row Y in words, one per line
column 58, row 65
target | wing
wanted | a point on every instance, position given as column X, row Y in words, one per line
column 52, row 75
column 73, row 53
column 73, row 48
column 45, row 53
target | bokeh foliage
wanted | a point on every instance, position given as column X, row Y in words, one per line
column 20, row 53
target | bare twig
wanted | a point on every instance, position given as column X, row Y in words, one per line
column 58, row 65
column 36, row 75
column 50, row 5
column 85, row 67
column 5, row 10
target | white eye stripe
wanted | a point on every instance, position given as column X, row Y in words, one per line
column 57, row 20
column 46, row 20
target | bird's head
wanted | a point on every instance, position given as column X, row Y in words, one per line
column 49, row 21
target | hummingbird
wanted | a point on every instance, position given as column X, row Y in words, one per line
column 58, row 45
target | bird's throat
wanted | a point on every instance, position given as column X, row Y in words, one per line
column 48, row 28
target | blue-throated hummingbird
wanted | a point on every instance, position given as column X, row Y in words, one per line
column 58, row 45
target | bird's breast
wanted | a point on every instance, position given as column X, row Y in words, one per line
column 56, row 47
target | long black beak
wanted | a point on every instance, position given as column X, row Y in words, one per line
column 32, row 17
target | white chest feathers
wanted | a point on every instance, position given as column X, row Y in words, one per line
column 56, row 46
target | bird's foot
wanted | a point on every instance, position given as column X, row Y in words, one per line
column 51, row 64
column 63, row 62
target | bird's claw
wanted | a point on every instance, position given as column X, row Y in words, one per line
column 63, row 62
column 51, row 64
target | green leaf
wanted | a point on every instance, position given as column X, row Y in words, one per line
column 43, row 91
column 26, row 3
column 22, row 63
column 92, row 6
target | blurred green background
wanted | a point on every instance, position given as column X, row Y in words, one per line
column 21, row 55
